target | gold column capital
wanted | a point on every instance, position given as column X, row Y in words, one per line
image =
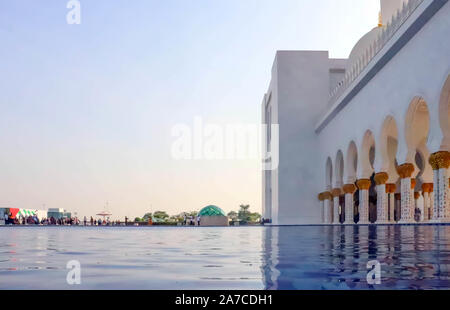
column 321, row 197
column 349, row 188
column 398, row 196
column 440, row 160
column 391, row 188
column 363, row 184
column 416, row 195
column 381, row 178
column 405, row 170
column 328, row 196
column 336, row 192
column 427, row 187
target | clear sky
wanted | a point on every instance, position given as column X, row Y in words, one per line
column 86, row 111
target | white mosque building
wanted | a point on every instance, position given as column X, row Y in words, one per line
column 365, row 139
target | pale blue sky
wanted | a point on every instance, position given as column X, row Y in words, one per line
column 86, row 110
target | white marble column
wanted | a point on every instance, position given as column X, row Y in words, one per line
column 440, row 162
column 444, row 195
column 390, row 190
column 327, row 208
column 427, row 188
column 407, row 198
column 420, row 205
column 426, row 205
column 337, row 192
column 349, row 190
column 435, row 217
column 431, row 201
column 363, row 186
column 321, row 198
column 382, row 197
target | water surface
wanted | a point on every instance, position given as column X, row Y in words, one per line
column 308, row 257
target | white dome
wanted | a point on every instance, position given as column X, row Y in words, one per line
column 363, row 45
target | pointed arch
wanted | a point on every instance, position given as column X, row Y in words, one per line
column 444, row 115
column 388, row 146
column 339, row 170
column 367, row 156
column 417, row 128
column 351, row 163
column 417, row 125
column 329, row 174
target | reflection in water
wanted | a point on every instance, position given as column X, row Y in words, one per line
column 309, row 257
column 336, row 257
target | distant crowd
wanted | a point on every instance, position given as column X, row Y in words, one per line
column 191, row 220
column 70, row 221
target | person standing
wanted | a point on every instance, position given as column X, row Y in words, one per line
column 198, row 220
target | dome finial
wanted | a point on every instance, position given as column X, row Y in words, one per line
column 380, row 20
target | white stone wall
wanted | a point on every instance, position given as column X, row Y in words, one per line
column 313, row 129
column 418, row 70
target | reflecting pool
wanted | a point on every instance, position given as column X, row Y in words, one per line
column 297, row 257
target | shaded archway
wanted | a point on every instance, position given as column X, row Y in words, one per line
column 367, row 157
column 417, row 127
column 339, row 201
column 368, row 194
column 351, row 163
column 329, row 174
column 388, row 147
column 339, row 169
column 351, row 193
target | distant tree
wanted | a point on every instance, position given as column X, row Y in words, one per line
column 138, row 220
column 244, row 214
column 255, row 217
column 233, row 215
column 193, row 213
column 176, row 218
column 147, row 216
column 161, row 215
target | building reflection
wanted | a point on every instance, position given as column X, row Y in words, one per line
column 336, row 257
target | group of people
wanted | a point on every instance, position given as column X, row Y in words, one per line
column 191, row 220
column 66, row 221
column 31, row 220
column 99, row 222
column 34, row 220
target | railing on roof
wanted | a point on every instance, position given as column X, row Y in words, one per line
column 388, row 31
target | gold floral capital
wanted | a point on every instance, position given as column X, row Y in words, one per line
column 328, row 196
column 336, row 192
column 363, row 184
column 440, row 160
column 321, row 197
column 381, row 178
column 349, row 188
column 416, row 195
column 391, row 188
column 427, row 187
column 405, row 170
